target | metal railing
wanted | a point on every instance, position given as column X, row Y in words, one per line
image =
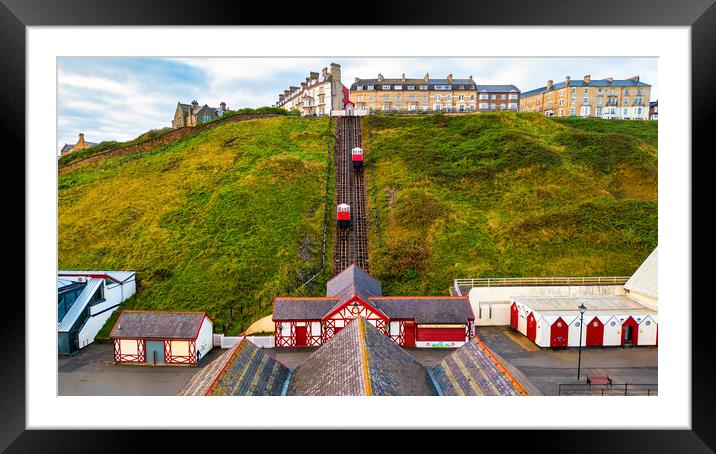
column 616, row 389
column 532, row 281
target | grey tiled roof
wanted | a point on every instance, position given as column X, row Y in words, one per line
column 360, row 360
column 456, row 83
column 302, row 308
column 356, row 277
column 498, row 88
column 245, row 370
column 157, row 324
column 471, row 371
column 446, row 309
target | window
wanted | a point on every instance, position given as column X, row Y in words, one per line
column 626, row 91
column 647, row 323
column 638, row 110
column 513, row 105
column 360, row 98
column 626, row 101
column 397, row 98
column 437, row 97
column 371, row 87
column 484, row 96
column 585, row 100
column 413, row 107
column 442, row 87
column 397, row 87
column 503, row 105
column 513, row 96
column 638, row 91
column 600, row 100
column 461, row 97
column 493, row 96
column 385, row 87
column 423, row 87
column 586, row 90
column 472, row 97
column 561, row 93
column 386, row 98
column 483, row 105
column 571, row 111
column 437, row 107
column 560, row 102
column 425, row 97
column 573, row 100
column 411, row 97
column 574, row 90
column 359, row 87
column 411, row 87
column 560, row 112
column 503, row 96
column 449, row 97
column 613, row 323
column 372, row 98
column 493, row 106
column 624, row 112
column 577, row 324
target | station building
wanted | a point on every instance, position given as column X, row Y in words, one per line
column 85, row 301
column 162, row 337
column 411, row 321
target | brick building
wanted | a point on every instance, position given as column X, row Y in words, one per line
column 411, row 95
column 626, row 99
column 497, row 98
column 80, row 145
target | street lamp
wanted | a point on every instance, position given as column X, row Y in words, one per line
column 582, row 308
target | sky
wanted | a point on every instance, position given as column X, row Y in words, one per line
column 119, row 98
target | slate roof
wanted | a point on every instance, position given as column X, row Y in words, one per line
column 592, row 83
column 498, row 88
column 645, row 279
column 558, row 305
column 360, row 360
column 472, row 370
column 353, row 276
column 431, row 309
column 302, row 308
column 455, row 85
column 157, row 325
column 244, row 370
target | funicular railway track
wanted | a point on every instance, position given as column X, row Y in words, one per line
column 351, row 245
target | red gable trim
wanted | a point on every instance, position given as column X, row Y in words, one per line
column 349, row 301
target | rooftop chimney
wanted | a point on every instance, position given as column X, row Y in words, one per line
column 380, row 77
column 303, row 84
column 324, row 73
column 427, row 77
column 357, row 80
column 634, row 78
column 313, row 75
column 470, row 77
column 567, row 80
column 195, row 103
column 222, row 104
column 549, row 84
column 609, row 79
column 403, row 78
column 449, row 78
column 587, row 78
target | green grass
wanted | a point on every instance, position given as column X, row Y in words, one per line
column 217, row 222
column 507, row 195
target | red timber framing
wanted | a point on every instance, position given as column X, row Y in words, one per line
column 349, row 310
column 312, row 339
column 190, row 358
column 136, row 357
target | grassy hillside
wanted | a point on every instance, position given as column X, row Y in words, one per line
column 215, row 222
column 497, row 195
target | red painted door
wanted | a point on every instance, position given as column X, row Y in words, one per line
column 559, row 333
column 301, row 336
column 409, row 337
column 630, row 332
column 531, row 327
column 513, row 316
column 595, row 333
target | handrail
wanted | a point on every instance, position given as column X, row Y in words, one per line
column 614, row 389
column 527, row 281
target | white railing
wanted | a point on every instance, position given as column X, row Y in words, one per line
column 534, row 281
column 229, row 341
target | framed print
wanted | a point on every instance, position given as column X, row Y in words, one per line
column 457, row 211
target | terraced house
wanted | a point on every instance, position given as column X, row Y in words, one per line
column 404, row 94
column 193, row 114
column 318, row 95
column 626, row 99
column 496, row 98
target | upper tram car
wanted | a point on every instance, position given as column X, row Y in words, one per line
column 343, row 215
column 357, row 157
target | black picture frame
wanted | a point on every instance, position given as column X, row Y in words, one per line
column 16, row 15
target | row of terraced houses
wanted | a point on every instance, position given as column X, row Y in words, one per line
column 627, row 99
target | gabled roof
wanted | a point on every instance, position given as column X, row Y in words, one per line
column 498, row 88
column 353, row 277
column 592, row 83
column 360, row 361
column 564, row 305
column 79, row 305
column 244, row 370
column 429, row 309
column 302, row 308
column 645, row 279
column 158, row 325
column 472, row 370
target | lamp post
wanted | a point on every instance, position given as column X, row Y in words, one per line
column 582, row 309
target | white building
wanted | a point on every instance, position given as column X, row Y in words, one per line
column 619, row 311
column 85, row 300
column 320, row 94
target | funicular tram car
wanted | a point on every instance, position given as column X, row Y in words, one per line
column 357, row 157
column 343, row 215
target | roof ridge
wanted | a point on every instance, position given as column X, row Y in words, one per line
column 364, row 355
column 501, row 367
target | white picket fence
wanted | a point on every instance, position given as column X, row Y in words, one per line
column 229, row 341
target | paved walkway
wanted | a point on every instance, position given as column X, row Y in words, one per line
column 548, row 368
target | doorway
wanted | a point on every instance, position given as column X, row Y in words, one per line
column 301, row 336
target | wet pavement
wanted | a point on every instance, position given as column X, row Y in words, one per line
column 548, row 368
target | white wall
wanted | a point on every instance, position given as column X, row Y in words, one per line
column 574, row 330
column 651, row 303
column 205, row 339
column 114, row 294
column 542, row 335
column 497, row 296
column 612, row 334
column 647, row 333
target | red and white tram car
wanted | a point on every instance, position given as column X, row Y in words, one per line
column 344, row 215
column 357, row 157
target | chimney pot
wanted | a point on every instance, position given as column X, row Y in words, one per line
column 587, row 78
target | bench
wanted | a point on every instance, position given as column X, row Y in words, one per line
column 599, row 380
